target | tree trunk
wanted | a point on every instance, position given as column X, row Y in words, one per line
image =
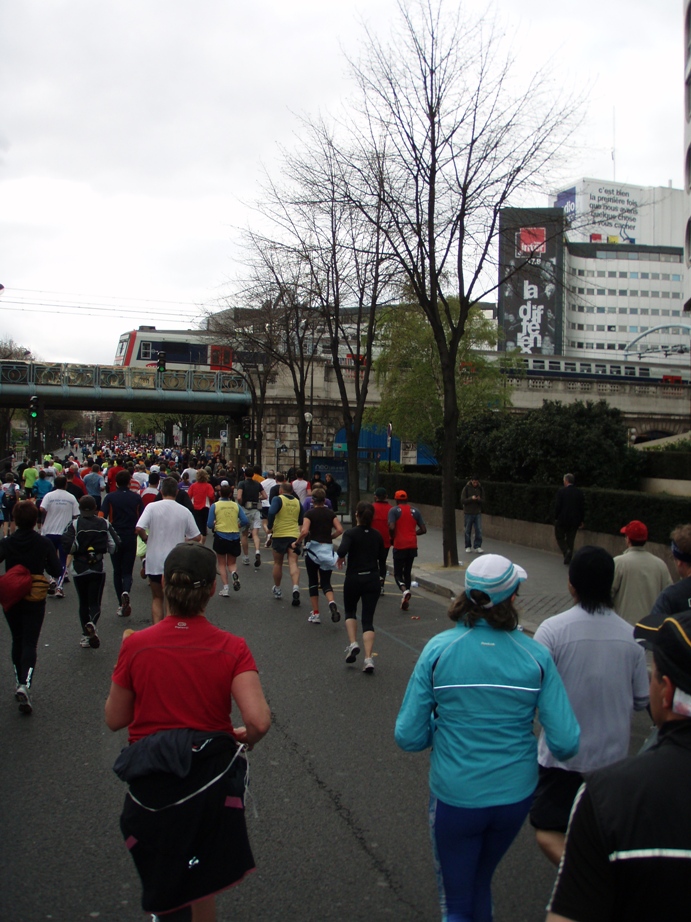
column 352, row 438
column 448, row 469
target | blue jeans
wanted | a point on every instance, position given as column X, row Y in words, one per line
column 473, row 520
column 468, row 845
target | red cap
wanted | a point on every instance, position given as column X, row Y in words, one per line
column 400, row 494
column 635, row 531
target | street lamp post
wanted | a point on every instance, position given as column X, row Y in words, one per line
column 308, row 447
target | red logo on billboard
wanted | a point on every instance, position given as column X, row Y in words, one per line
column 532, row 240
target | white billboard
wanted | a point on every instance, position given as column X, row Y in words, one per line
column 599, row 211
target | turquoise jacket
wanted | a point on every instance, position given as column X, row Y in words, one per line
column 473, row 697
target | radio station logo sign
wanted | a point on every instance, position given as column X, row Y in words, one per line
column 531, row 293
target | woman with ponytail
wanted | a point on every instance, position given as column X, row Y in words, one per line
column 472, row 699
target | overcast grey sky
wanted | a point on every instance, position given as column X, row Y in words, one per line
column 132, row 136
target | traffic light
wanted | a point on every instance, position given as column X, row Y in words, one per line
column 161, row 361
column 247, row 427
column 99, row 425
column 33, row 407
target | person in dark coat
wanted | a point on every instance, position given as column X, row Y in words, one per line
column 569, row 513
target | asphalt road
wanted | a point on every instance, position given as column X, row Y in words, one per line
column 340, row 828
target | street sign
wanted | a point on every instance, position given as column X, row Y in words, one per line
column 317, row 446
column 224, row 435
column 283, row 448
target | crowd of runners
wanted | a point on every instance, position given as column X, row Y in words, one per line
column 135, row 505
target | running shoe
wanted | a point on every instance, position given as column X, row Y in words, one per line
column 478, row 550
column 351, row 652
column 84, row 643
column 257, row 559
column 335, row 613
column 245, row 561
column 405, row 600
column 267, row 543
column 276, row 591
column 59, row 594
column 469, row 550
column 22, row 697
column 314, row 618
column 296, row 597
column 369, row 665
column 224, row 593
column 51, row 587
column 126, row 608
column 92, row 636
column 119, row 611
column 236, row 582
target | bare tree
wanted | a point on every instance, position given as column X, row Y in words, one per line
column 277, row 325
column 346, row 270
column 444, row 139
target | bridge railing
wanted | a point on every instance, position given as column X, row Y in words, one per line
column 110, row 377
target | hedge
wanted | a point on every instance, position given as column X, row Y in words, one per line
column 668, row 465
column 606, row 511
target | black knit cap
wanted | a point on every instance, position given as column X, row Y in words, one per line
column 671, row 644
column 591, row 572
column 197, row 562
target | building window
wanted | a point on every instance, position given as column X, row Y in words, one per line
column 676, row 294
column 611, row 291
column 579, row 326
column 676, row 313
column 665, row 294
column 581, row 272
column 611, row 310
column 600, row 273
column 623, row 275
column 633, row 255
column 654, row 275
column 146, row 351
column 611, row 275
column 590, row 309
column 622, row 329
column 645, row 275
column 676, row 278
column 581, row 291
column 590, row 291
column 644, row 310
column 633, row 329
column 654, row 313
column 633, row 275
column 600, row 310
column 623, row 292
column 623, row 310
column 589, row 274
column 586, row 369
column 570, row 367
column 665, row 276
column 654, row 294
column 611, row 345
column 644, row 293
column 634, row 292
column 581, row 309
column 601, row 291
column 600, row 328
column 590, row 327
column 611, row 329
column 634, row 310
column 599, row 345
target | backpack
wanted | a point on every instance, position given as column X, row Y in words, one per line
column 90, row 544
column 9, row 495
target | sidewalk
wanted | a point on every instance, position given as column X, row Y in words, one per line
column 544, row 593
